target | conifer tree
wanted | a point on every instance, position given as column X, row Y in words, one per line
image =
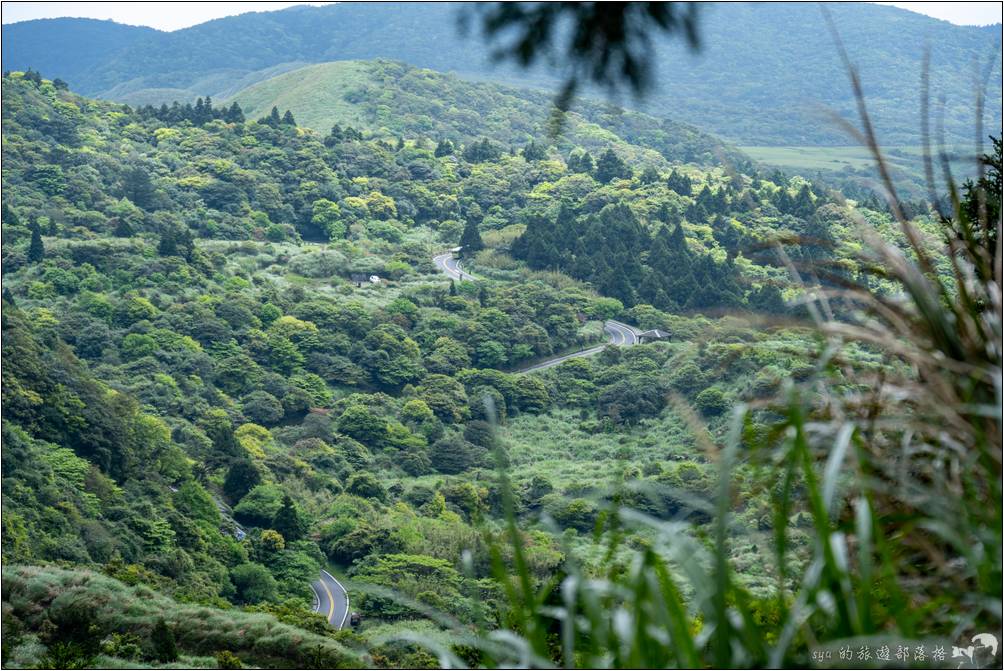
column 36, row 249
column 8, row 216
column 471, row 241
column 287, row 119
column 610, row 167
column 235, row 114
column 273, row 118
column 288, row 521
column 679, row 183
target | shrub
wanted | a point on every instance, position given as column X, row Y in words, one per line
column 712, row 401
column 254, row 583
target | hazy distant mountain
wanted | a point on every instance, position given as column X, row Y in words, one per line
column 73, row 48
column 767, row 73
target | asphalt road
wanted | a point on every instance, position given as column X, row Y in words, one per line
column 451, row 267
column 620, row 334
column 331, row 599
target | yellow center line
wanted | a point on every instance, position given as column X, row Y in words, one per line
column 331, row 599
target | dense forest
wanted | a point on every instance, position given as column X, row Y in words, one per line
column 206, row 399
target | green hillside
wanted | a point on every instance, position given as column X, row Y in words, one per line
column 766, row 73
column 394, row 99
column 318, row 95
column 206, row 400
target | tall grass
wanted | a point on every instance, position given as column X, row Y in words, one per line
column 898, row 467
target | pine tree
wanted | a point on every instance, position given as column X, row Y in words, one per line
column 288, row 521
column 610, row 167
column 679, row 183
column 273, row 118
column 235, row 114
column 36, row 249
column 9, row 217
column 287, row 119
column 471, row 241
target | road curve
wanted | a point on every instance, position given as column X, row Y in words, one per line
column 451, row 267
column 331, row 599
column 620, row 334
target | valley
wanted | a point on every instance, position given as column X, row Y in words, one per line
column 361, row 364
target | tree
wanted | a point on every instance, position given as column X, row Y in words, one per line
column 534, row 152
column 36, row 249
column 220, row 430
column 254, row 583
column 137, row 187
column 470, row 241
column 359, row 422
column 981, row 212
column 610, row 167
column 273, row 119
column 444, row 148
column 262, row 407
column 242, row 477
column 287, row 119
column 123, row 229
column 445, row 396
column 479, row 152
column 289, row 522
column 649, row 175
column 271, row 542
column 453, row 455
column 366, row 485
column 712, row 401
column 581, row 161
column 679, row 183
column 8, row 216
column 165, row 648
column 228, row 660
column 235, row 114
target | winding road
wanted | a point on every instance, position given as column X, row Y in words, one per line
column 620, row 334
column 451, row 267
column 331, row 599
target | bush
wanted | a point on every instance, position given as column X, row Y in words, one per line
column 262, row 407
column 260, row 506
column 366, row 486
column 254, row 583
column 712, row 401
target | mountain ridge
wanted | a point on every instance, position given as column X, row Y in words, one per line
column 725, row 90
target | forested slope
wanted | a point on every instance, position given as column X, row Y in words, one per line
column 189, row 331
